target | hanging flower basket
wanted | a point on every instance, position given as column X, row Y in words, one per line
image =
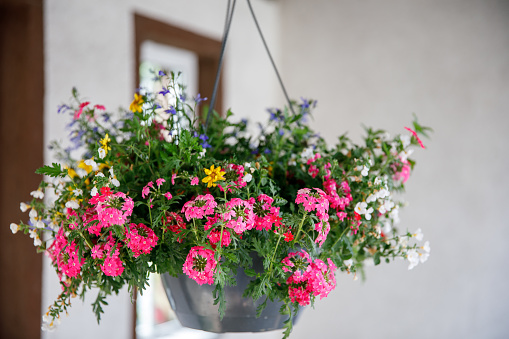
column 158, row 192
column 195, row 308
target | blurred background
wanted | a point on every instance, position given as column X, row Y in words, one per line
column 366, row 62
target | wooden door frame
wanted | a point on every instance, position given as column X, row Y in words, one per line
column 21, row 144
column 206, row 49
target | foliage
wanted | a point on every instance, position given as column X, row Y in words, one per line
column 156, row 191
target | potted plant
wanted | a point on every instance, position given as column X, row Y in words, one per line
column 155, row 191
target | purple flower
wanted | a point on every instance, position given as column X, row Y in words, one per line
column 182, row 97
column 63, row 109
column 267, row 151
column 164, row 91
column 199, row 99
column 161, row 73
column 171, row 110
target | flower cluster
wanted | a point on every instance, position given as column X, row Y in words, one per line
column 156, row 191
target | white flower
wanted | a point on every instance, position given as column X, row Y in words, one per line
column 365, row 171
column 23, row 207
column 403, row 155
column 348, row 263
column 307, row 153
column 202, row 153
column 14, row 228
column 91, row 162
column 423, row 257
column 94, row 191
column 395, row 215
column 368, row 212
column 418, row 235
column 405, row 140
column 37, row 194
column 33, row 234
column 247, row 178
column 371, row 198
column 78, row 192
column 73, row 204
column 32, row 214
column 360, row 208
column 53, row 226
column 37, row 241
column 387, row 227
column 115, row 182
column 102, row 153
column 383, row 193
column 100, row 174
column 426, row 247
column 39, row 224
column 247, row 165
column 413, row 258
column 378, row 181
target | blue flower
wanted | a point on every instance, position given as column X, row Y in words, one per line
column 161, row 73
column 199, row 99
column 106, row 117
column 275, row 115
column 171, row 110
column 182, row 97
column 267, row 151
column 164, row 91
column 63, row 109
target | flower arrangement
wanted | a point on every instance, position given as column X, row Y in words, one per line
column 155, row 191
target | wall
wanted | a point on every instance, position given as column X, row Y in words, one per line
column 90, row 45
column 376, row 63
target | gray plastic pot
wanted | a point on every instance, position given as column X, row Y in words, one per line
column 194, row 306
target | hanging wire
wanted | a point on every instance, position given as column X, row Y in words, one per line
column 229, row 16
column 227, row 24
column 270, row 57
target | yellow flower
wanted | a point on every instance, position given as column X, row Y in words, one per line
column 213, row 175
column 84, row 166
column 136, row 104
column 70, row 172
column 104, row 143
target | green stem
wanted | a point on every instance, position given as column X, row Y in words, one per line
column 300, row 227
column 195, row 230
column 86, row 240
column 274, row 254
column 339, row 238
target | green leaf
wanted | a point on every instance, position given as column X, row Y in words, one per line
column 53, row 171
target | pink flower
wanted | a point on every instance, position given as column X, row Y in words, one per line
column 215, row 236
column 234, row 175
column 100, row 107
column 160, row 181
column 173, row 222
column 105, row 210
column 404, row 173
column 195, row 181
column 146, row 190
column 240, row 216
column 77, row 113
column 140, row 239
column 168, row 195
column 314, row 201
column 113, row 266
column 200, row 265
column 416, row 136
column 173, row 176
column 199, row 207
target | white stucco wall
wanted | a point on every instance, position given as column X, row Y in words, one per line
column 90, row 45
column 366, row 62
column 376, row 62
